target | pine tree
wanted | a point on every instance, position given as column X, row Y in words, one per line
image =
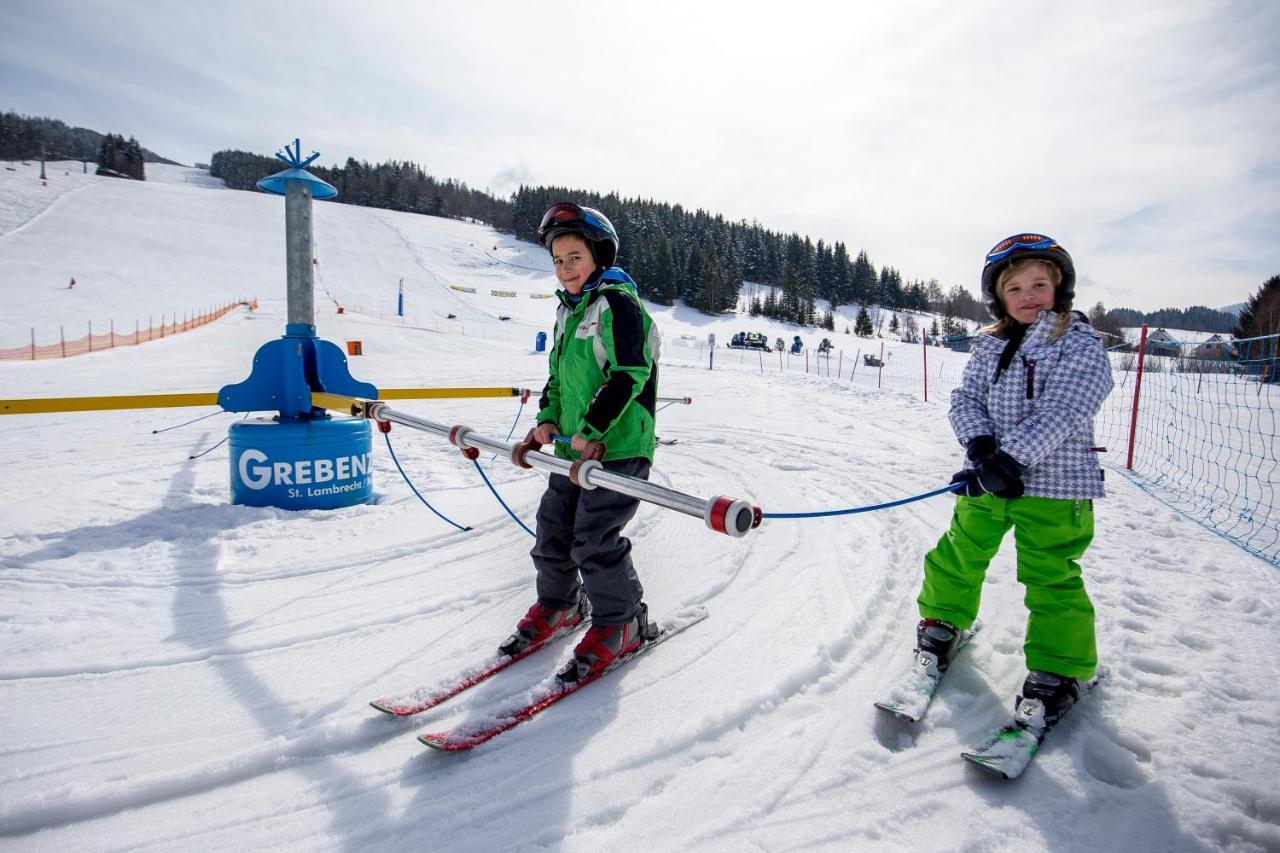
column 713, row 288
column 788, row 303
column 133, row 162
column 107, row 155
column 808, row 285
column 894, row 325
column 916, row 299
column 731, row 277
column 664, row 272
column 824, row 272
column 951, row 327
column 864, row 280
column 691, row 283
column 770, row 307
column 1261, row 313
column 1258, row 331
column 862, row 325
column 890, row 288
column 841, row 272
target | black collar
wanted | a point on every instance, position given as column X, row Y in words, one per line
column 1015, row 334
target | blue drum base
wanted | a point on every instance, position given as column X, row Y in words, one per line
column 301, row 464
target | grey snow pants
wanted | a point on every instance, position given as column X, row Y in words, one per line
column 580, row 543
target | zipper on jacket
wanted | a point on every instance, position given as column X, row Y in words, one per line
column 1031, row 377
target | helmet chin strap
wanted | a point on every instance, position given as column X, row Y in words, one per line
column 589, row 285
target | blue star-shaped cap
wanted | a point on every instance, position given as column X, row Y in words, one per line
column 292, row 157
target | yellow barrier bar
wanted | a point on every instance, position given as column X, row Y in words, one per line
column 337, row 402
column 97, row 404
column 359, row 407
column 444, row 393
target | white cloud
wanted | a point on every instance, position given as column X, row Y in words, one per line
column 1142, row 135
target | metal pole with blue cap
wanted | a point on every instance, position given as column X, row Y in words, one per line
column 299, row 187
column 301, row 458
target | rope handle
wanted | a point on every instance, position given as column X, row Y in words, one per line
column 870, row 508
column 589, row 460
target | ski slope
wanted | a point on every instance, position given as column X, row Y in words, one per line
column 179, row 673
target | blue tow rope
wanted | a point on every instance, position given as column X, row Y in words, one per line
column 479, row 470
column 564, row 439
column 188, row 423
column 512, row 431
column 207, row 449
column 387, row 436
column 500, row 500
column 853, row 510
column 952, row 487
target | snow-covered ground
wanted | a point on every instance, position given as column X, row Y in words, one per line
column 180, row 673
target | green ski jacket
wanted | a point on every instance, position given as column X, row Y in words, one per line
column 603, row 379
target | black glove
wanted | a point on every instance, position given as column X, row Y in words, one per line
column 998, row 474
column 972, row 488
column 980, row 446
column 1001, row 475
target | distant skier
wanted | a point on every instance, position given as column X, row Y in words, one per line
column 72, row 285
column 602, row 389
column 1024, row 413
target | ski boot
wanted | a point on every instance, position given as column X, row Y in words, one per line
column 540, row 623
column 1045, row 698
column 603, row 644
column 936, row 643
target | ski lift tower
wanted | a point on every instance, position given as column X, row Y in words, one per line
column 301, row 458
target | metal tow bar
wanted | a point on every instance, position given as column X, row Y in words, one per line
column 732, row 516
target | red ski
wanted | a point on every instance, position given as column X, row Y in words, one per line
column 424, row 698
column 472, row 734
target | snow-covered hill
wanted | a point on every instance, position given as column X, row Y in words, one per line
column 179, row 673
column 447, row 267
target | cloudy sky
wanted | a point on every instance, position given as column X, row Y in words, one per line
column 1143, row 136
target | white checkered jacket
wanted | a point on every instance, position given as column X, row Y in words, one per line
column 1042, row 408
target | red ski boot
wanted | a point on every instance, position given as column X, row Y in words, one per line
column 540, row 623
column 604, row 644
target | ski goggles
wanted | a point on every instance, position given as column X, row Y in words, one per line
column 1021, row 243
column 568, row 213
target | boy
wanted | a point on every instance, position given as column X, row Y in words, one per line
column 602, row 389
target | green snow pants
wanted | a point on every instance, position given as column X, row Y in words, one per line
column 1051, row 535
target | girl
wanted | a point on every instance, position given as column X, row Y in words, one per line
column 602, row 390
column 1024, row 413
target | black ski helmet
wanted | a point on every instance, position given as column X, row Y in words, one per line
column 1021, row 247
column 565, row 217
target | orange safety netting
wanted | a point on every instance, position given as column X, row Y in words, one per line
column 94, row 341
